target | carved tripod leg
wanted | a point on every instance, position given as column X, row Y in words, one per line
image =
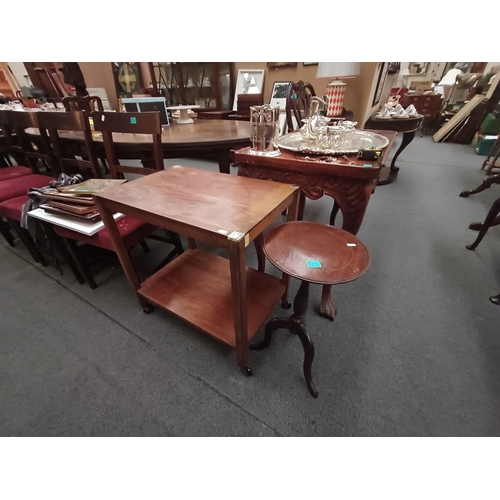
column 300, row 330
column 295, row 324
column 407, row 138
column 491, row 219
column 496, row 299
column 484, row 185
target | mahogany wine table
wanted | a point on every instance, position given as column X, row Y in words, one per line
column 313, row 253
column 211, row 139
column 220, row 296
column 350, row 184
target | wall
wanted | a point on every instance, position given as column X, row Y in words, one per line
column 20, row 74
column 358, row 89
column 434, row 72
column 101, row 75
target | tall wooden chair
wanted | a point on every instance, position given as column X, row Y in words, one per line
column 244, row 103
column 89, row 104
column 132, row 230
column 298, row 99
column 27, row 149
column 15, row 181
column 130, row 123
column 65, row 159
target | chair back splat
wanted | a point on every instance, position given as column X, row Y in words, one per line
column 89, row 104
column 298, row 100
column 112, row 125
column 27, row 149
column 55, row 128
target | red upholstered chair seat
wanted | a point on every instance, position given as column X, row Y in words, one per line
column 132, row 231
column 13, row 208
column 14, row 172
column 13, row 188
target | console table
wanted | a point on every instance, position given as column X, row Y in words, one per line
column 350, row 184
column 408, row 127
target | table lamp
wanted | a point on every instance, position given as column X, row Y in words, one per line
column 335, row 90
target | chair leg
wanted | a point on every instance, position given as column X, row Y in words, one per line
column 83, row 267
column 484, row 185
column 65, row 254
column 492, row 219
column 144, row 246
column 5, row 231
column 26, row 238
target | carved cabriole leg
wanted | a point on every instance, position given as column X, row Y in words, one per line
column 488, row 222
column 407, row 138
column 484, row 185
column 352, row 196
column 353, row 201
column 495, row 299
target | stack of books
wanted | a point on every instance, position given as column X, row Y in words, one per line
column 77, row 201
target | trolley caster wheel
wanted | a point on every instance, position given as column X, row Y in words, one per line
column 464, row 194
column 246, row 371
column 286, row 304
column 148, row 309
column 470, row 247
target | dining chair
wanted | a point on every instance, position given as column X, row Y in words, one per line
column 26, row 149
column 15, row 181
column 132, row 230
column 89, row 104
column 139, row 123
column 243, row 104
column 298, row 99
column 110, row 124
column 79, row 158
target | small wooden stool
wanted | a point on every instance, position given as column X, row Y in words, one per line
column 313, row 253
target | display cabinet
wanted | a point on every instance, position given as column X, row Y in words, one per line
column 206, row 84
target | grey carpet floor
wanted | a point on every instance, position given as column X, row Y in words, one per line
column 414, row 351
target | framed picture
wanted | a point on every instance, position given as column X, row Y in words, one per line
column 249, row 81
column 280, row 64
column 380, row 83
column 278, row 95
column 127, row 77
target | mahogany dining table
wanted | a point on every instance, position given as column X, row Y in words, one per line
column 207, row 139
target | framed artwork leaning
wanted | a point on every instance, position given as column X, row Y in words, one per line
column 278, row 95
column 249, row 81
column 382, row 75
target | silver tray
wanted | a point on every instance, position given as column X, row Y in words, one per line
column 360, row 139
